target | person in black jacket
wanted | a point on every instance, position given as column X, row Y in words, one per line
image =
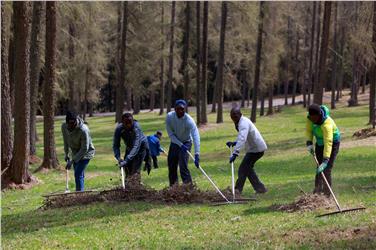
column 136, row 146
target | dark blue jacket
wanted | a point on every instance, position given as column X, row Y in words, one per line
column 134, row 139
column 154, row 145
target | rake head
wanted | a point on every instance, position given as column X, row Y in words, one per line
column 342, row 211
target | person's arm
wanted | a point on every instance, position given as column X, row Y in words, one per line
column 116, row 143
column 85, row 143
column 242, row 137
column 195, row 136
column 327, row 131
column 171, row 133
column 65, row 140
column 136, row 145
column 309, row 133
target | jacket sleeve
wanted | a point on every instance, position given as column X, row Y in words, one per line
column 171, row 133
column 242, row 137
column 65, row 139
column 136, row 145
column 327, row 132
column 195, row 136
column 309, row 133
column 85, row 143
column 116, row 143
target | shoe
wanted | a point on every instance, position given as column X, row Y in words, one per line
column 262, row 191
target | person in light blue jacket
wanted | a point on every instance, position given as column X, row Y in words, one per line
column 182, row 130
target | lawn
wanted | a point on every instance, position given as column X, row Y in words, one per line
column 248, row 226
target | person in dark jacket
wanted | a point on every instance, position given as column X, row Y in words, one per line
column 155, row 147
column 136, row 145
column 78, row 145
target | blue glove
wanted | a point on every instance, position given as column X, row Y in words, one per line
column 233, row 157
column 197, row 160
column 184, row 148
column 322, row 166
column 230, row 144
column 69, row 165
column 123, row 164
column 66, row 159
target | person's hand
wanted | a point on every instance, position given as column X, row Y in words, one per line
column 66, row 159
column 233, row 157
column 310, row 148
column 69, row 165
column 123, row 164
column 197, row 160
column 184, row 148
column 322, row 166
column 230, row 144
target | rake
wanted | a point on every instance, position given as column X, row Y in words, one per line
column 340, row 210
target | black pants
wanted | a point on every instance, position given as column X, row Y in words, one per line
column 320, row 186
column 246, row 171
column 155, row 161
column 134, row 166
column 176, row 157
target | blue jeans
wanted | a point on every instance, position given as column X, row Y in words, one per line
column 79, row 173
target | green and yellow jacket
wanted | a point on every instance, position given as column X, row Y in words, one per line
column 326, row 133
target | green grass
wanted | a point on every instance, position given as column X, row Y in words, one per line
column 142, row 225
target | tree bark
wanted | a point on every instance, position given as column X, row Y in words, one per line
column 6, row 113
column 334, row 60
column 318, row 90
column 310, row 71
column 171, row 58
column 372, row 93
column 73, row 102
column 270, row 99
column 11, row 63
column 161, row 76
column 120, row 94
column 204, row 81
column 35, row 65
column 262, row 103
column 221, row 61
column 50, row 158
column 185, row 51
column 289, row 59
column 152, row 98
column 19, row 172
column 136, row 102
column 198, row 62
column 317, row 52
column 89, row 47
column 341, row 64
column 297, row 68
column 258, row 62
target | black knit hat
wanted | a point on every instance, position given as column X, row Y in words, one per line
column 314, row 109
column 70, row 116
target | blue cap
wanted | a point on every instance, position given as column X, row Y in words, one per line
column 180, row 103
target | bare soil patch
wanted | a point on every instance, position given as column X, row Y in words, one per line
column 364, row 133
column 308, row 202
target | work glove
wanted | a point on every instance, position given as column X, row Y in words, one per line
column 233, row 157
column 197, row 160
column 322, row 166
column 230, row 144
column 66, row 159
column 184, row 148
column 69, row 165
column 123, row 164
column 310, row 148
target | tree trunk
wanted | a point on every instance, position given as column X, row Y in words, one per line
column 372, row 93
column 136, row 102
column 35, row 65
column 270, row 99
column 354, row 86
column 162, row 88
column 73, row 102
column 221, row 61
column 341, row 64
column 6, row 113
column 204, row 81
column 171, row 58
column 185, row 55
column 318, row 90
column 289, row 59
column 258, row 62
column 317, row 52
column 19, row 172
column 334, row 62
column 50, row 158
column 297, row 68
column 310, row 71
column 198, row 62
column 262, row 102
column 11, row 64
column 152, row 98
column 89, row 47
column 121, row 83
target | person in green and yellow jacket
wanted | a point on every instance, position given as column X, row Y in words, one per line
column 321, row 126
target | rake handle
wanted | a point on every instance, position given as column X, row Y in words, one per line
column 232, row 178
column 327, row 184
column 215, row 186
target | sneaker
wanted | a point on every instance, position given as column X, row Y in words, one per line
column 262, row 191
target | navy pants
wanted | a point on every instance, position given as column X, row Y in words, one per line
column 134, row 166
column 79, row 174
column 176, row 157
column 320, row 186
column 246, row 171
